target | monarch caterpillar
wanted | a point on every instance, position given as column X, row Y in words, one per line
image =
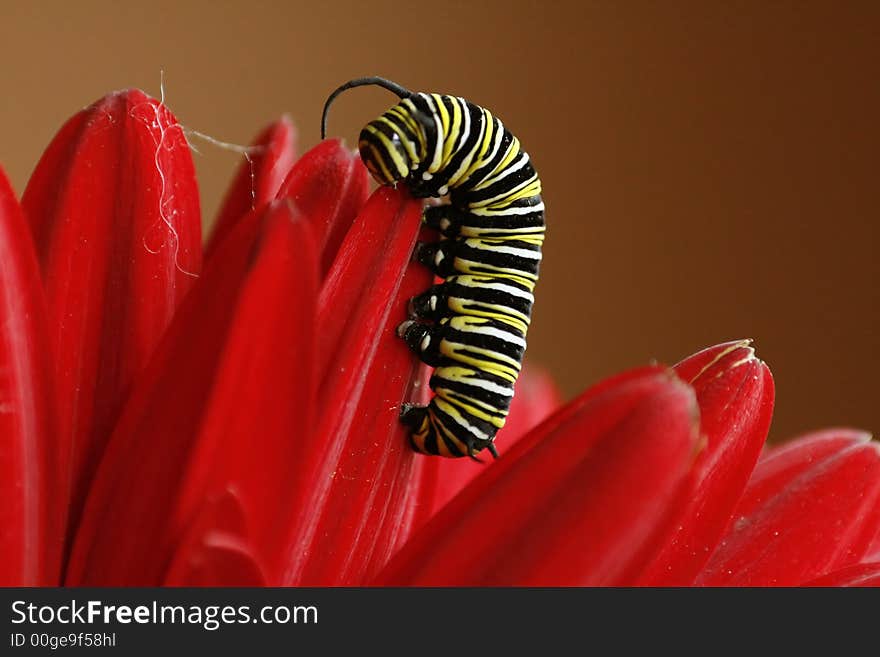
column 472, row 327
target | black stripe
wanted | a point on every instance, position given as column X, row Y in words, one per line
column 500, row 235
column 475, row 137
column 430, row 440
column 482, row 341
column 404, row 131
column 497, row 259
column 380, row 147
column 503, row 187
column 488, row 296
column 451, row 103
column 476, row 310
column 481, row 357
column 459, row 280
column 497, row 411
column 498, row 219
column 479, row 310
column 526, row 202
column 441, row 178
column 425, row 117
column 483, row 172
column 459, row 430
column 494, row 323
column 494, row 399
column 450, row 444
column 514, row 242
column 473, row 373
column 448, row 422
column 485, row 426
column 488, row 271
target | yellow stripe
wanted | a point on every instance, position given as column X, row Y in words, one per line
column 513, row 151
column 475, row 407
column 517, row 275
column 441, row 430
column 452, row 132
column 396, row 157
column 414, row 126
column 533, row 188
column 440, row 110
column 485, row 147
column 525, row 189
column 375, row 163
column 406, row 116
column 453, row 350
column 504, row 314
column 407, row 143
column 406, row 109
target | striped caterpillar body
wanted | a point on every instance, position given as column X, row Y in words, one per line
column 472, row 327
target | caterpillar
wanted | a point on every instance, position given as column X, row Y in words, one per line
column 472, row 327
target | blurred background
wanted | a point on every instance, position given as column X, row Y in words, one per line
column 710, row 169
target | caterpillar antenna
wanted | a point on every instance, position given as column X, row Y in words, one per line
column 393, row 87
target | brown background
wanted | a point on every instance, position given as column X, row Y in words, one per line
column 710, row 169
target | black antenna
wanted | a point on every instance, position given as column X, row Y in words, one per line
column 393, row 87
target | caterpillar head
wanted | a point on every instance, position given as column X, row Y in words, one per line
column 384, row 155
column 380, row 147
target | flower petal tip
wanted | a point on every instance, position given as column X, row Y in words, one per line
column 718, row 360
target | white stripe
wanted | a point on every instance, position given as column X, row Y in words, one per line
column 536, row 232
column 485, row 385
column 500, row 287
column 506, row 193
column 452, row 411
column 476, row 432
column 499, row 134
column 413, row 110
column 486, row 212
column 496, row 333
column 509, row 250
column 521, row 160
column 465, row 129
column 436, row 161
column 493, row 284
column 468, row 159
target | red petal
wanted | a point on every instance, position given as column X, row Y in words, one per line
column 784, row 463
column 804, row 513
column 114, row 209
column 30, row 532
column 862, row 575
column 258, row 178
column 264, row 388
column 220, row 560
column 332, row 199
column 224, row 409
column 535, row 399
column 873, row 552
column 735, row 393
column 573, row 503
column 356, row 475
column 215, row 549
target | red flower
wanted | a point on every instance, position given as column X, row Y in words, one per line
column 164, row 424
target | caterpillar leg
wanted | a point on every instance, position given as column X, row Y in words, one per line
column 445, row 218
column 431, row 305
column 422, row 339
column 413, row 416
column 437, row 256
